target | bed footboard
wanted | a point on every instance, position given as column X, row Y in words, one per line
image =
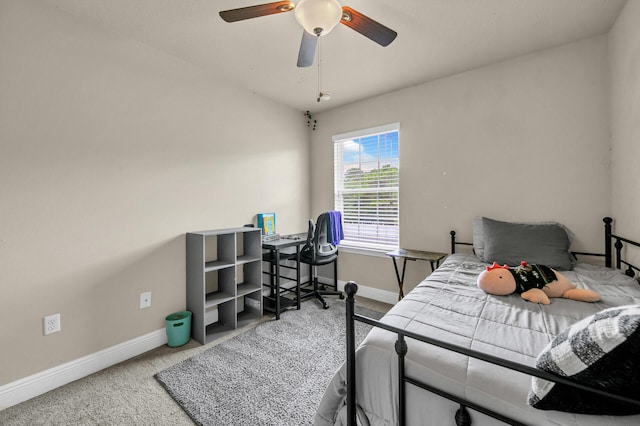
column 462, row 417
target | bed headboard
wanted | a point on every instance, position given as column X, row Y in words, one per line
column 455, row 243
column 611, row 241
column 617, row 242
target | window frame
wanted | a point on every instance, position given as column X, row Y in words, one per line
column 365, row 247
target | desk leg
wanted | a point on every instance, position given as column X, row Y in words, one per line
column 404, row 268
column 433, row 267
column 400, row 279
column 272, row 269
column 277, row 255
column 298, row 277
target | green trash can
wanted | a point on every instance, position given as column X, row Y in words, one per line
column 178, row 328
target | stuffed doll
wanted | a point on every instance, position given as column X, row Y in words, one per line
column 535, row 283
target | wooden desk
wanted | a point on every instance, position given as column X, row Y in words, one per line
column 275, row 256
column 433, row 258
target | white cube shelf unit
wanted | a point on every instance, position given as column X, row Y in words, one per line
column 224, row 280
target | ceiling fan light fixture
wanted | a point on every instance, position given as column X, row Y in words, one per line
column 324, row 97
column 318, row 17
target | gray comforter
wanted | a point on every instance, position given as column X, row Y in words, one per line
column 449, row 306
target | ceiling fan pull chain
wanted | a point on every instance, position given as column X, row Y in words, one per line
column 321, row 95
column 319, row 69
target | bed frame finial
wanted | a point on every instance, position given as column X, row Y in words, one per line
column 462, row 417
column 351, row 288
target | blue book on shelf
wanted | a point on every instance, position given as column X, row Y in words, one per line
column 267, row 222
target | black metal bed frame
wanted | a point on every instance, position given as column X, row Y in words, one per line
column 462, row 416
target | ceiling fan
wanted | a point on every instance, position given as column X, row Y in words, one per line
column 318, row 18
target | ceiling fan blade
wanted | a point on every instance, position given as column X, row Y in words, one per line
column 367, row 26
column 307, row 49
column 249, row 12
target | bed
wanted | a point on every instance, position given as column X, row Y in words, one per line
column 448, row 353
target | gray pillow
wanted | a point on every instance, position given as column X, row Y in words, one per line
column 511, row 243
column 478, row 234
column 478, row 237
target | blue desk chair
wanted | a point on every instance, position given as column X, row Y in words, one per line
column 318, row 251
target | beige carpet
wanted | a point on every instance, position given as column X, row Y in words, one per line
column 125, row 394
column 272, row 375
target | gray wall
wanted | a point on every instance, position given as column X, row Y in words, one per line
column 525, row 139
column 624, row 42
column 109, row 152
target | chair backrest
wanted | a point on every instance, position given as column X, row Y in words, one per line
column 322, row 245
column 318, row 245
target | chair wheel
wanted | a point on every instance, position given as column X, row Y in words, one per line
column 325, row 306
column 341, row 296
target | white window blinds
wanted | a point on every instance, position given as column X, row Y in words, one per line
column 366, row 169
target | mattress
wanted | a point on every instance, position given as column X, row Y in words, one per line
column 449, row 306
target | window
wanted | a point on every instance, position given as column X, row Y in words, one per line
column 366, row 176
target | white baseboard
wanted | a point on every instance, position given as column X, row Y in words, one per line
column 373, row 293
column 39, row 383
column 385, row 296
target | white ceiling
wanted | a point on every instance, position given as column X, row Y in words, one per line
column 435, row 38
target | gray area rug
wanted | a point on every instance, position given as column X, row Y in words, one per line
column 273, row 374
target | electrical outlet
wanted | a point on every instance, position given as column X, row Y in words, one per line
column 145, row 300
column 52, row 324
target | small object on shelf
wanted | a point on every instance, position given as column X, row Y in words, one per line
column 267, row 222
column 272, row 237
